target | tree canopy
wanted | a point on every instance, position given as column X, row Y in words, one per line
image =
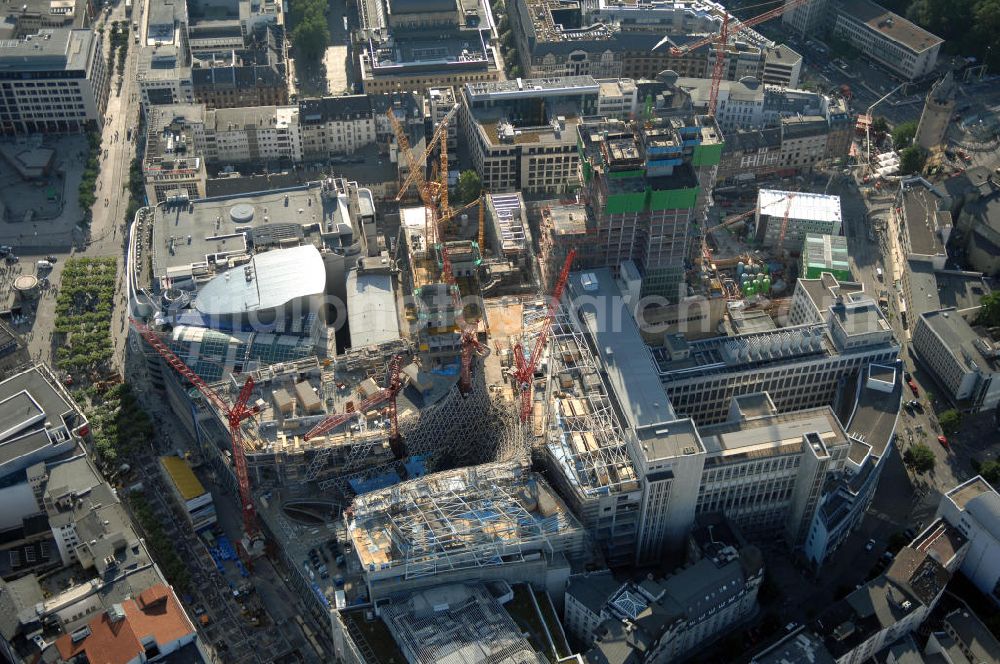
column 311, row 34
column 989, row 314
column 469, row 186
column 920, row 458
column 880, row 124
column 950, row 420
column 912, row 160
column 969, row 27
column 902, row 134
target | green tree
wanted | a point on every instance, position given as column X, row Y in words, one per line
column 902, row 134
column 989, row 314
column 311, row 36
column 990, row 470
column 920, row 458
column 949, row 421
column 469, row 186
column 880, row 125
column 912, row 160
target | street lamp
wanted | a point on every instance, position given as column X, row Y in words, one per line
column 868, row 128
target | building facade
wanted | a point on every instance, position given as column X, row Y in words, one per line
column 56, row 81
column 886, row 38
column 787, row 217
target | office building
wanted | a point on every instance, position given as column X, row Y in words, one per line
column 163, row 72
column 645, row 185
column 440, row 102
column 922, row 221
column 786, row 217
column 41, row 421
column 964, row 361
column 936, row 116
column 173, row 165
column 423, row 44
column 664, row 620
column 782, row 67
column 255, row 134
column 28, row 18
column 446, row 527
column 56, row 81
column 195, row 502
column 807, row 19
column 886, row 38
column 973, row 508
column 822, row 253
column 802, row 366
column 871, row 428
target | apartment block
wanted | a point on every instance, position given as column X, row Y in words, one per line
column 335, row 125
column 251, row 73
column 964, row 360
column 56, row 81
column 973, row 508
column 255, row 134
column 644, row 185
column 798, row 214
column 664, row 620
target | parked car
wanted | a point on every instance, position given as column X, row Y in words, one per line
column 944, row 442
column 11, row 259
column 913, row 387
column 870, row 544
column 51, row 259
column 916, row 405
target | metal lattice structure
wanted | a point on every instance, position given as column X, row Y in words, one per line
column 584, row 435
column 480, row 516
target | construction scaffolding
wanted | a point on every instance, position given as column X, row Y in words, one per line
column 584, row 438
column 479, row 516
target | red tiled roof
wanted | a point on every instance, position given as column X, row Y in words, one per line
column 121, row 641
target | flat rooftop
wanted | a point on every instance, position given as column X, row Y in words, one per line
column 64, row 49
column 669, row 440
column 799, row 205
column 965, row 344
column 773, row 434
column 623, row 353
column 876, row 411
column 920, row 211
column 963, row 493
column 890, row 25
column 823, row 291
column 207, row 228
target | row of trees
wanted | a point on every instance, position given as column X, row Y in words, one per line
column 160, row 545
column 311, row 34
column 969, row 27
column 83, row 314
column 87, row 192
column 507, row 47
column 119, row 426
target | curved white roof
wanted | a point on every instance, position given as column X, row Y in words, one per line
column 269, row 280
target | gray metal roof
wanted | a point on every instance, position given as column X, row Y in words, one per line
column 32, row 404
column 269, row 280
column 629, row 365
column 371, row 309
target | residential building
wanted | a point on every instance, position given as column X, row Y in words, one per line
column 804, row 142
column 885, row 609
column 173, row 162
column 664, row 620
column 253, row 134
column 645, row 185
column 785, row 217
column 801, row 645
column 802, row 366
column 886, row 38
column 973, row 507
column 440, row 102
column 964, row 639
column 188, row 492
column 41, row 421
column 963, row 360
column 422, row 44
column 253, row 73
column 936, row 116
column 56, row 81
column 749, row 155
column 335, row 126
column 822, row 253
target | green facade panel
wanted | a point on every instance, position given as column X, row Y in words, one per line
column 625, row 203
column 673, row 199
column 637, row 173
column 707, row 155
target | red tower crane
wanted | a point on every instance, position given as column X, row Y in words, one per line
column 394, row 385
column 236, row 414
column 525, row 370
column 730, row 26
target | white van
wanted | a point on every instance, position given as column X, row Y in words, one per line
column 44, row 265
column 878, row 273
